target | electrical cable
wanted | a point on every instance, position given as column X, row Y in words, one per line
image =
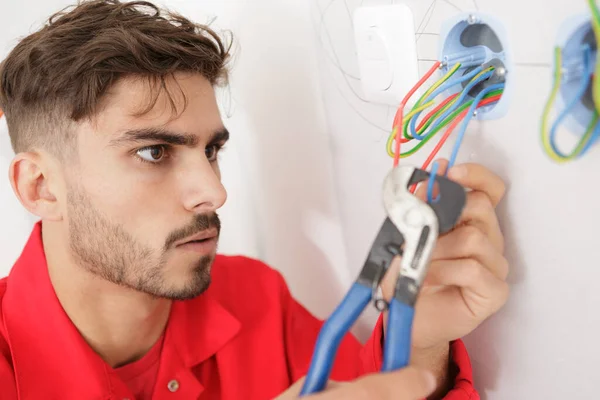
column 399, row 113
column 437, row 110
column 484, row 75
column 430, row 185
column 547, row 140
column 488, row 100
column 443, row 88
column 433, row 132
column 585, row 80
column 470, row 115
column 596, row 28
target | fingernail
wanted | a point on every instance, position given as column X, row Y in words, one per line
column 457, row 172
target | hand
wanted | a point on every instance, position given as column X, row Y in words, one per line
column 407, row 384
column 466, row 278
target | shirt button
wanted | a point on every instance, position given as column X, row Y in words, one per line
column 173, row 385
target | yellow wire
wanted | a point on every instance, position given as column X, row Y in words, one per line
column 436, row 85
column 548, row 108
column 549, row 105
column 407, row 118
column 596, row 28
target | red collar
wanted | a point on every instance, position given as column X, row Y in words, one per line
column 44, row 341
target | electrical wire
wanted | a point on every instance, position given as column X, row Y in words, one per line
column 589, row 136
column 430, row 185
column 399, row 113
column 596, row 28
column 470, row 115
column 585, row 80
column 488, row 100
column 433, row 132
column 484, row 75
column 447, row 85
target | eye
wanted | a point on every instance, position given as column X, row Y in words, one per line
column 212, row 152
column 152, row 154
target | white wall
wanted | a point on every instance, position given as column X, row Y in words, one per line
column 544, row 343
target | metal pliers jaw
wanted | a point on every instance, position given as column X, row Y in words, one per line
column 411, row 230
column 420, row 223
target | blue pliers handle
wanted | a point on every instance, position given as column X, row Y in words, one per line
column 410, row 230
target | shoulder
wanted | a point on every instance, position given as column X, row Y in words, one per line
column 7, row 378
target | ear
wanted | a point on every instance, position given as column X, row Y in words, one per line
column 30, row 176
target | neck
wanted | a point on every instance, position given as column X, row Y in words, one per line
column 119, row 323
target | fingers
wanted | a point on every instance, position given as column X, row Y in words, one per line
column 479, row 178
column 407, row 384
column 470, row 242
column 293, row 392
column 488, row 292
column 479, row 212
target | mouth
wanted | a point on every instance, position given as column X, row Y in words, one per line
column 205, row 237
column 204, row 242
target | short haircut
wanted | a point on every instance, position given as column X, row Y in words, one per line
column 59, row 75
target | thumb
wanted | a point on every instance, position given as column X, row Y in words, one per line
column 293, row 392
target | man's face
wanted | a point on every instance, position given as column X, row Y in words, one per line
column 142, row 187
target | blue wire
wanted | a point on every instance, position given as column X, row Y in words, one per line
column 591, row 140
column 468, row 118
column 457, row 104
column 445, row 86
column 589, row 70
column 430, row 184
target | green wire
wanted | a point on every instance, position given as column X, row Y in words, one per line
column 546, row 116
column 596, row 27
column 444, row 123
column 437, row 84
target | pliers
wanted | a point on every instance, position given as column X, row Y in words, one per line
column 410, row 230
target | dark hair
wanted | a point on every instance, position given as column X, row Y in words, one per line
column 59, row 74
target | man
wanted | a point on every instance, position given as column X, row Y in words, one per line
column 119, row 294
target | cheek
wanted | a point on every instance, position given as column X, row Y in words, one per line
column 139, row 201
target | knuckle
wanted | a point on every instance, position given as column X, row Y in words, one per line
column 472, row 239
column 472, row 270
column 504, row 268
column 503, row 294
column 483, row 202
column 501, row 187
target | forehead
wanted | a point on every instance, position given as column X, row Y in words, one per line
column 187, row 103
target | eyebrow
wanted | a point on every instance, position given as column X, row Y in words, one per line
column 166, row 136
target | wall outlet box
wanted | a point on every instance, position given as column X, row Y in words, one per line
column 387, row 52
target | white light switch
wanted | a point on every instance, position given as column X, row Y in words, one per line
column 387, row 52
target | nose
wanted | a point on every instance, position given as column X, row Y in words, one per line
column 203, row 190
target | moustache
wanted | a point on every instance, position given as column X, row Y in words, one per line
column 201, row 223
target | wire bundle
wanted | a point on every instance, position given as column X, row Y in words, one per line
column 449, row 113
column 596, row 28
column 593, row 129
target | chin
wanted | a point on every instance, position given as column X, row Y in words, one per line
column 195, row 281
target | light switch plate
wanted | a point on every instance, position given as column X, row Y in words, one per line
column 387, row 52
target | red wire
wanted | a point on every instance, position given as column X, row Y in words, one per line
column 428, row 116
column 438, row 108
column 450, row 129
column 400, row 112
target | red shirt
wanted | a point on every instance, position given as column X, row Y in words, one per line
column 140, row 376
column 244, row 338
